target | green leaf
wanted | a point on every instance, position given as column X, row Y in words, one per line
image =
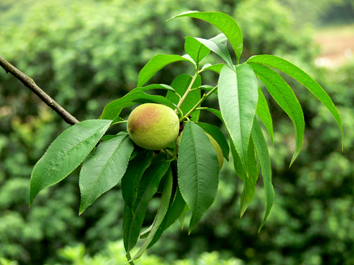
column 263, row 113
column 286, row 98
column 238, row 95
column 218, row 45
column 302, row 77
column 133, row 217
column 218, row 135
column 155, row 64
column 113, row 109
column 198, row 171
column 165, row 201
column 249, row 181
column 195, row 49
column 223, row 22
column 215, row 68
column 174, row 211
column 104, row 168
column 132, row 177
column 180, row 84
column 264, row 159
column 66, row 153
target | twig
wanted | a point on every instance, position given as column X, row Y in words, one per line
column 28, row 82
column 204, row 97
column 188, row 89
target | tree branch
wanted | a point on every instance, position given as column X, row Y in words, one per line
column 28, row 82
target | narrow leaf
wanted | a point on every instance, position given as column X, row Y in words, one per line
column 264, row 159
column 155, row 64
column 302, row 77
column 104, row 168
column 287, row 100
column 133, row 217
column 66, row 153
column 238, row 95
column 132, row 177
column 198, row 171
column 249, row 181
column 218, row 135
column 165, row 201
column 223, row 22
column 173, row 213
column 263, row 113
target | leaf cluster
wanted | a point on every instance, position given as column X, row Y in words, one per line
column 186, row 180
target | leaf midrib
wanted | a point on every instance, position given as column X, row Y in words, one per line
column 197, row 169
column 239, row 115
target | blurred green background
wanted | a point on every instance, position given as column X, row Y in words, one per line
column 87, row 53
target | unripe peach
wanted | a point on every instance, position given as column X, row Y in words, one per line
column 153, row 126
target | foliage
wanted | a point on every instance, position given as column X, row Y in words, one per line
column 196, row 178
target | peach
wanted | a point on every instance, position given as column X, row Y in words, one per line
column 153, row 126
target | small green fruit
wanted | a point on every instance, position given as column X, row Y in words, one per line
column 153, row 126
column 213, row 142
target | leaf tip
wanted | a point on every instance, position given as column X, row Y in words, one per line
column 260, row 227
column 190, row 230
column 30, row 201
column 81, row 210
column 294, row 158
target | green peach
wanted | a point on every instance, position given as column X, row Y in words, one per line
column 153, row 126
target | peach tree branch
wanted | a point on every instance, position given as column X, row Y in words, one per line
column 28, row 82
